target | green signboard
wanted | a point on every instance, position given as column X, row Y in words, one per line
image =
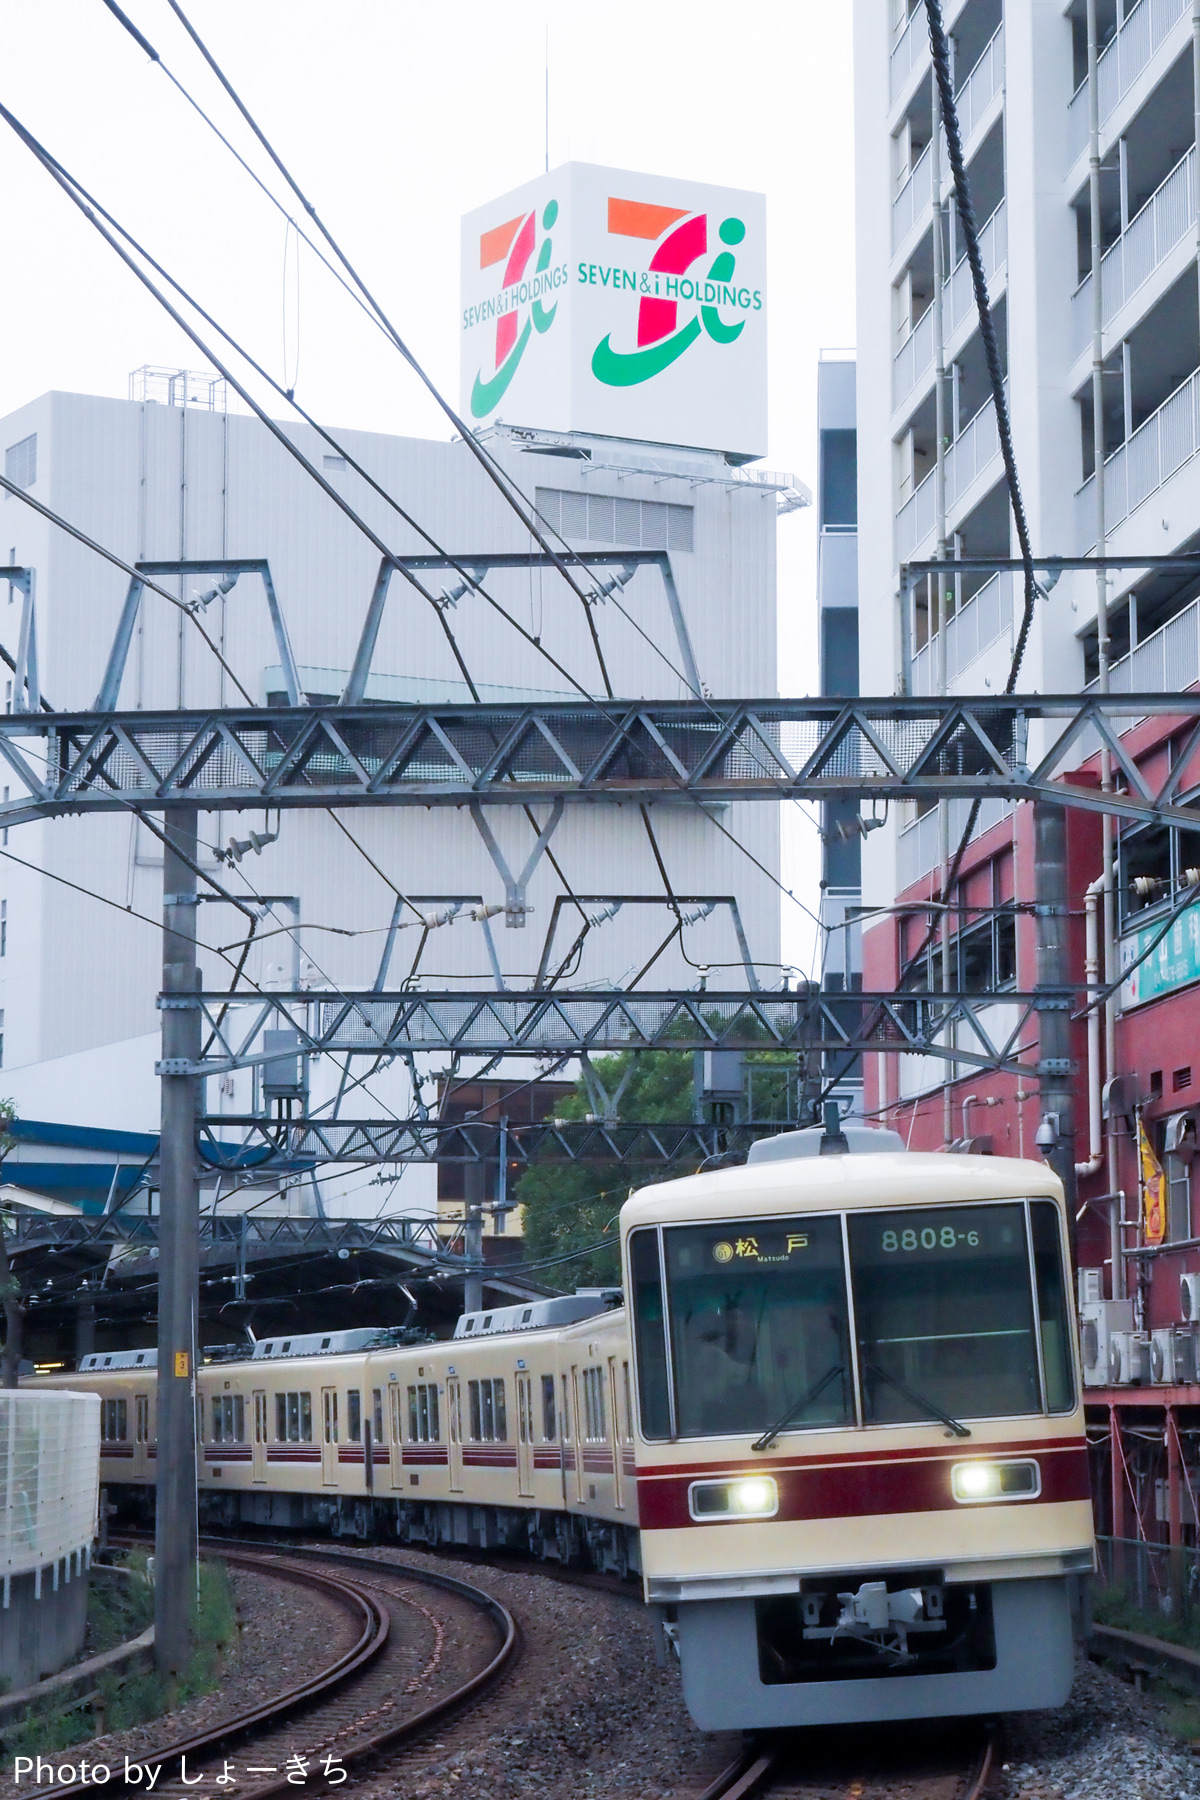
column 1172, row 964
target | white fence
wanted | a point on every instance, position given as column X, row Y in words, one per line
column 1158, row 448
column 914, row 359
column 49, row 1468
column 1168, row 215
column 976, row 625
column 918, row 846
column 981, row 86
column 914, row 199
column 1145, row 30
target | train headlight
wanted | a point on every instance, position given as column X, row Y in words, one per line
column 974, row 1481
column 751, row 1497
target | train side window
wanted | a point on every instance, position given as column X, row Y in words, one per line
column 377, row 1414
column 566, row 1411
column 593, row 1405
column 489, row 1413
column 423, row 1421
column 142, row 1425
column 199, row 1418
column 650, row 1345
column 228, row 1419
column 628, row 1403
column 1052, row 1306
column 548, row 1419
column 354, row 1415
column 114, row 1421
column 293, row 1418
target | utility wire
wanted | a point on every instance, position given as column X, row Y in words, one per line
column 118, row 562
column 492, row 469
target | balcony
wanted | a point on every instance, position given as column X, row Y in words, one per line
column 972, row 453
column 1168, row 215
column 914, row 199
column 981, row 86
column 1167, row 662
column 1145, row 30
column 914, row 359
column 911, row 47
column 1157, row 449
column 974, row 628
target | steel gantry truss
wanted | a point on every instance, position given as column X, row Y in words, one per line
column 898, row 748
column 980, row 1030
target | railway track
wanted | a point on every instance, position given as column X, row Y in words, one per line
column 363, row 1705
column 871, row 1765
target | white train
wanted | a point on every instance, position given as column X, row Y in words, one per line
column 839, row 1432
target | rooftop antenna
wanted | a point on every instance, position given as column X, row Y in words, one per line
column 833, row 1138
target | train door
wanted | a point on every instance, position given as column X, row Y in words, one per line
column 454, row 1408
column 329, row 1436
column 614, row 1434
column 396, row 1433
column 258, row 1464
column 141, row 1436
column 579, row 1439
column 524, row 1434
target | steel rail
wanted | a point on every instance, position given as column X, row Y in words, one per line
column 372, row 1638
column 250, row 1554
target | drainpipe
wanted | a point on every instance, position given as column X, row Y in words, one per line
column 1108, row 840
column 1091, row 972
column 938, row 614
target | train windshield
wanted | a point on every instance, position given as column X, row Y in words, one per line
column 959, row 1312
column 758, row 1325
column 944, row 1313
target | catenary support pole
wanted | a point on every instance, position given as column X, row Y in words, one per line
column 474, row 1178
column 178, row 1265
column 1053, row 972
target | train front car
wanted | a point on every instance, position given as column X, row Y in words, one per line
column 861, row 1466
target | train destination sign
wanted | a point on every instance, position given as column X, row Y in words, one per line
column 622, row 305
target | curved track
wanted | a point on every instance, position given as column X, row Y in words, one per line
column 349, row 1708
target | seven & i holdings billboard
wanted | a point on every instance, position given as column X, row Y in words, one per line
column 633, row 306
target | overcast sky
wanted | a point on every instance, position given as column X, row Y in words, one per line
column 397, row 118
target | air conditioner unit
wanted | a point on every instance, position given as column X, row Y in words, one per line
column 1189, row 1298
column 1091, row 1286
column 1098, row 1320
column 1128, row 1358
column 1173, row 1354
column 1162, row 1502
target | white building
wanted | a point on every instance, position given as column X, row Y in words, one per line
column 1022, row 96
column 165, row 482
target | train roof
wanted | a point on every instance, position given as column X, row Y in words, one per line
column 809, row 1184
column 539, row 1315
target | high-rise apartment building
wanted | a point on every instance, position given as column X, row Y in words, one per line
column 930, row 478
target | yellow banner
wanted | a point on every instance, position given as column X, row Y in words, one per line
column 1154, row 1189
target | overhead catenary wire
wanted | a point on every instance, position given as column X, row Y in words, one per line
column 90, row 207
column 19, row 493
column 487, row 462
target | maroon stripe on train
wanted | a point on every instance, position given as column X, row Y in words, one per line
column 297, row 1455
column 228, row 1453
column 547, row 1459
column 116, row 1449
column 436, row 1453
column 871, row 1490
column 866, row 1455
column 351, row 1455
column 490, row 1459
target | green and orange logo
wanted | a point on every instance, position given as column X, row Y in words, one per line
column 667, row 287
column 517, row 307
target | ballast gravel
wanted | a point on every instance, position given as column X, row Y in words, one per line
column 285, row 1632
column 1108, row 1743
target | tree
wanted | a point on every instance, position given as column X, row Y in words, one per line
column 568, row 1206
